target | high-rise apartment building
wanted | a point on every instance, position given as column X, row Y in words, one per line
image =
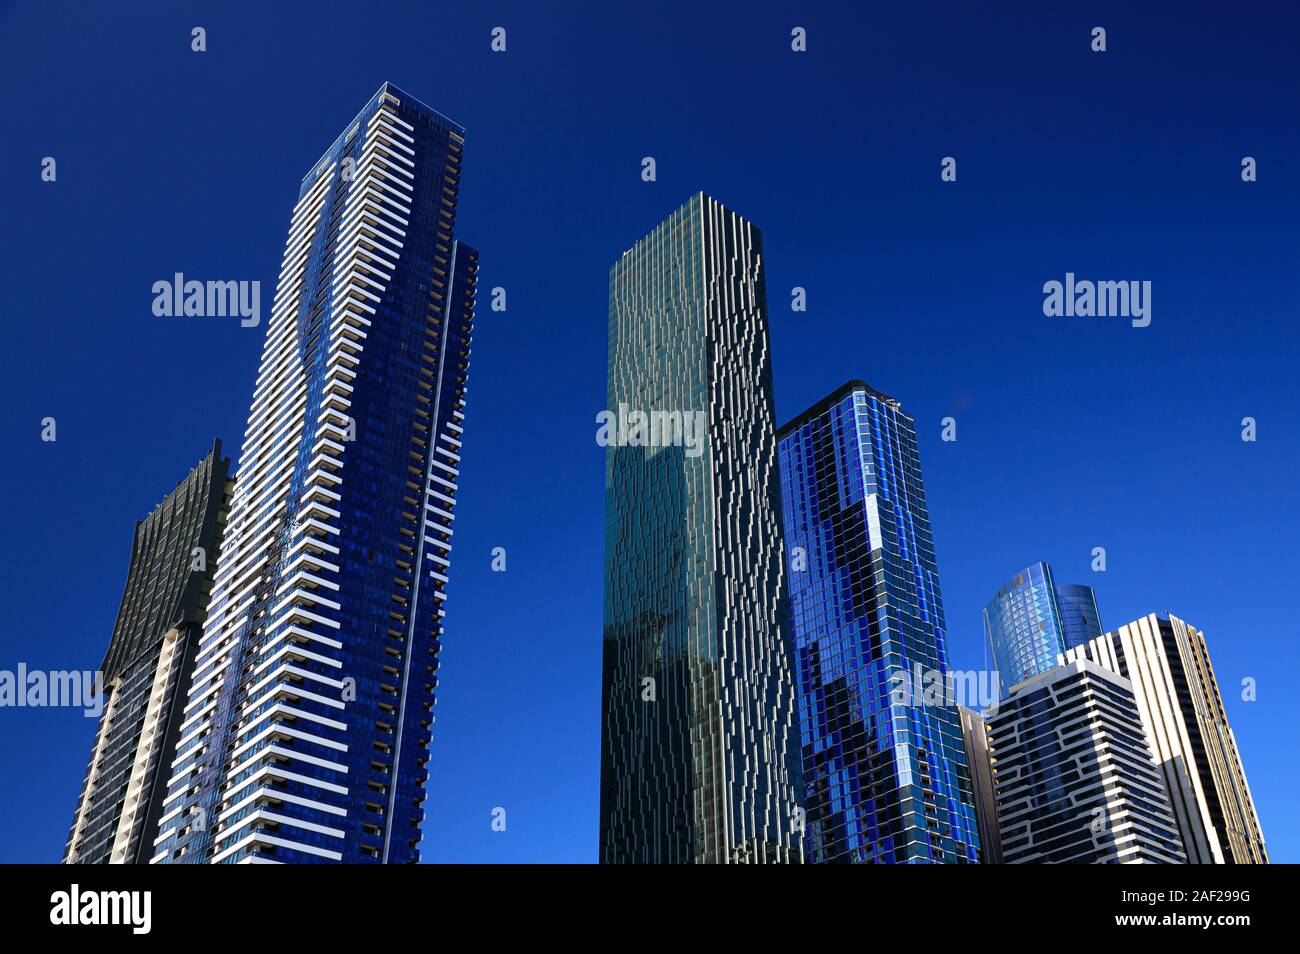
column 1032, row 620
column 1073, row 774
column 147, row 669
column 1182, row 713
column 699, row 750
column 306, row 732
column 885, row 771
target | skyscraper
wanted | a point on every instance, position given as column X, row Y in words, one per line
column 699, row 753
column 1183, row 716
column 1023, row 625
column 147, row 669
column 1032, row 620
column 1080, row 618
column 1073, row 775
column 885, row 774
column 310, row 711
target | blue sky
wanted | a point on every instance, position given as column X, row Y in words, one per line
column 1073, row 433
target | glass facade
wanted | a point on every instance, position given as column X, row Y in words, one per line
column 885, row 777
column 1033, row 619
column 698, row 741
column 311, row 707
column 1080, row 619
column 1023, row 626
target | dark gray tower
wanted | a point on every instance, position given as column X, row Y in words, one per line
column 699, row 747
column 147, row 668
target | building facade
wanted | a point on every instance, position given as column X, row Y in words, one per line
column 1032, row 620
column 974, row 732
column 147, row 669
column 1073, row 774
column 1182, row 712
column 309, row 716
column 699, row 753
column 884, row 770
column 1080, row 618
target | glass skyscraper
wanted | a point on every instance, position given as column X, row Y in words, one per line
column 147, row 669
column 699, row 752
column 306, row 732
column 885, row 774
column 1032, row 620
column 1080, row 619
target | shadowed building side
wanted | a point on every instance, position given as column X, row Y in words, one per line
column 147, row 668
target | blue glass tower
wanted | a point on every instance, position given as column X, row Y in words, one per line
column 885, row 778
column 1032, row 620
column 306, row 733
column 1023, row 625
column 1080, row 618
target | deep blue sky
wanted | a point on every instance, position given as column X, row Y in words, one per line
column 1072, row 433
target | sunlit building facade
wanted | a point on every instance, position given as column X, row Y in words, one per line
column 885, row 774
column 1073, row 774
column 1185, row 721
column 1033, row 619
column 306, row 732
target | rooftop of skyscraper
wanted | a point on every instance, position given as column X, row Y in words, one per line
column 822, row 406
column 399, row 94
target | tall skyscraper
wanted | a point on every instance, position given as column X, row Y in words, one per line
column 1073, row 775
column 699, row 752
column 1080, row 618
column 147, row 669
column 885, row 775
column 974, row 732
column 1182, row 713
column 1032, row 620
column 309, row 716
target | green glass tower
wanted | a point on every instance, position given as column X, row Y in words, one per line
column 699, row 748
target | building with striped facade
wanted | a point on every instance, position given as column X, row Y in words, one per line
column 1073, row 776
column 1178, row 698
column 306, row 730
